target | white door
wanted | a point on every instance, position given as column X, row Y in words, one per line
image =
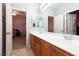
column 8, row 29
column 0, row 29
column 71, row 23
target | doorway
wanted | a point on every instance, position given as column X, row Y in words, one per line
column 19, row 29
column 50, row 24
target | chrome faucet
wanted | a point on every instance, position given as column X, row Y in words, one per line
column 68, row 37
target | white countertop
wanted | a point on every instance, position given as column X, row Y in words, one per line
column 71, row 46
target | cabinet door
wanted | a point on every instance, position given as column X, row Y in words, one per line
column 53, row 51
column 45, row 49
column 37, row 49
column 32, row 42
column 62, row 53
column 59, row 52
column 37, row 46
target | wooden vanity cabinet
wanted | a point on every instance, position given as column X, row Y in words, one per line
column 45, row 48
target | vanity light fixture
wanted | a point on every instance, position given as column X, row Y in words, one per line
column 44, row 6
column 14, row 13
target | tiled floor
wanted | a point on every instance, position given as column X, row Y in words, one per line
column 19, row 47
column 19, row 42
column 22, row 52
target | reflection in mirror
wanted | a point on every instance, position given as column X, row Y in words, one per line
column 34, row 22
column 50, row 24
column 72, row 22
column 40, row 22
column 59, row 24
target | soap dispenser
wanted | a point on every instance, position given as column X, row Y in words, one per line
column 33, row 24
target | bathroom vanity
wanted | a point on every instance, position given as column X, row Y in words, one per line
column 52, row 44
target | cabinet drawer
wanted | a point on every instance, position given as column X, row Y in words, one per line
column 38, row 40
column 45, row 51
column 45, row 48
column 37, row 49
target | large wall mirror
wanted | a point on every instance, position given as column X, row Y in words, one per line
column 72, row 22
